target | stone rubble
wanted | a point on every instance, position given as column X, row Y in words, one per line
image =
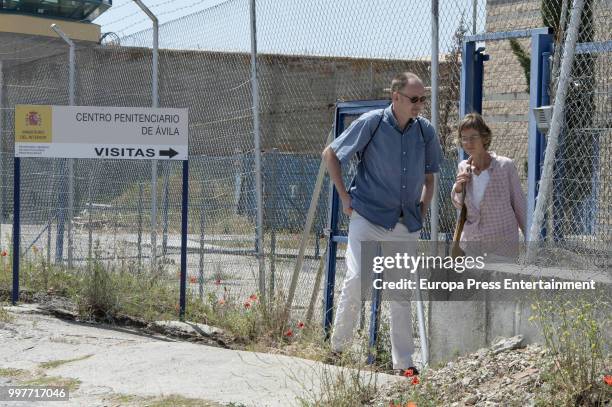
column 503, row 375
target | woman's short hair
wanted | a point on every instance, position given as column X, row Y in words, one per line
column 476, row 122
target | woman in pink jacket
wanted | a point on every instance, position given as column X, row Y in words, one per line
column 494, row 199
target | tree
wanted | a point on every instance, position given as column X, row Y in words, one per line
column 450, row 80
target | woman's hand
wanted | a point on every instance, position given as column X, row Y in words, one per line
column 462, row 178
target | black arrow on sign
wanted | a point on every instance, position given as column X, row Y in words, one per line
column 168, row 153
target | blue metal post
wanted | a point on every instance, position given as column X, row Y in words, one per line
column 16, row 226
column 472, row 76
column 479, row 61
column 184, row 210
column 330, row 276
column 466, row 104
column 332, row 245
column 374, row 319
column 541, row 43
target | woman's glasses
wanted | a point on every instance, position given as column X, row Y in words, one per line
column 469, row 139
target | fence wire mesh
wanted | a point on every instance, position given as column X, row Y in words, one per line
column 577, row 222
column 310, row 55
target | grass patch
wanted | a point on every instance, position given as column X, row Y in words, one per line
column 55, row 363
column 353, row 382
column 13, row 373
column 174, row 400
column 4, row 314
column 422, row 395
column 27, row 378
column 124, row 399
column 56, row 381
column 343, row 387
column 36, row 276
column 107, row 293
column 111, row 293
column 246, row 318
column 167, row 401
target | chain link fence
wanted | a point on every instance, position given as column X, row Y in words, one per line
column 578, row 211
column 310, row 55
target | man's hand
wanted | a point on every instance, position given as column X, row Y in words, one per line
column 423, row 209
column 427, row 194
column 347, row 207
column 335, row 174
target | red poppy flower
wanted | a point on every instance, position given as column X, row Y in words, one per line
column 608, row 379
column 253, row 297
column 192, row 280
column 289, row 333
column 408, row 372
column 4, row 253
column 411, row 404
column 300, row 325
column 218, row 281
column 415, row 380
column 247, row 305
column 221, row 301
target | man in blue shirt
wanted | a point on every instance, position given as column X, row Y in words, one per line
column 387, row 201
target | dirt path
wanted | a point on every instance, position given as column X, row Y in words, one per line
column 110, row 366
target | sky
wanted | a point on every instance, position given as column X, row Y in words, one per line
column 353, row 28
column 125, row 17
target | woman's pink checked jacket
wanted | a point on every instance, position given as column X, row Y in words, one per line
column 502, row 209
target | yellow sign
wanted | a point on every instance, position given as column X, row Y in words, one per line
column 33, row 124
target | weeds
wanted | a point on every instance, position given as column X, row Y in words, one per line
column 343, row 387
column 100, row 297
column 352, row 382
column 248, row 319
column 55, row 363
column 178, row 401
column 4, row 315
column 13, row 373
column 422, row 395
column 69, row 383
column 165, row 401
column 574, row 334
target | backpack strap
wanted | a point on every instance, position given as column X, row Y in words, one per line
column 382, row 116
column 362, row 152
column 420, row 128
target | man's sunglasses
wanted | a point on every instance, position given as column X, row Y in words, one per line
column 414, row 99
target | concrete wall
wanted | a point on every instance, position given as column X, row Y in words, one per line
column 458, row 326
column 297, row 93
